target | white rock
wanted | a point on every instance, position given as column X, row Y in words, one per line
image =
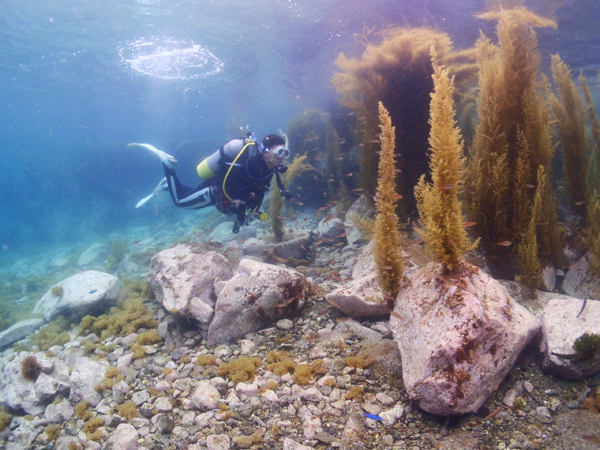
column 96, row 252
column 163, row 404
column 578, row 283
column 125, row 437
column 84, row 293
column 384, row 398
column 312, row 395
column 85, row 376
column 289, row 444
column 560, row 328
column 247, row 347
column 20, row 330
column 218, row 442
column 391, row 416
column 284, row 324
column 183, row 281
column 246, row 389
column 459, row 336
column 206, row 397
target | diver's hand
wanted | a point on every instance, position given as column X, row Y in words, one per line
column 236, row 227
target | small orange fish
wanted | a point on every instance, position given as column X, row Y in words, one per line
column 361, row 145
column 325, row 194
column 469, row 224
column 334, row 303
column 447, row 186
column 530, row 186
column 341, row 235
column 374, row 141
column 311, row 139
column 279, row 258
column 299, row 187
column 579, row 203
column 338, row 244
column 386, row 267
column 340, row 158
column 397, row 197
column 343, row 141
column 318, row 158
column 342, row 319
column 396, row 315
column 349, row 174
column 333, row 275
column 505, row 243
column 303, row 247
column 319, row 242
column 136, row 242
column 350, row 114
column 315, row 176
column 358, row 190
column 300, row 203
column 331, row 262
column 305, row 219
column 329, row 180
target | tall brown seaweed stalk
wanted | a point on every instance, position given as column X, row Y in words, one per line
column 530, row 269
column 396, row 72
column 276, row 200
column 439, row 206
column 594, row 168
column 569, row 111
column 387, row 237
column 512, row 139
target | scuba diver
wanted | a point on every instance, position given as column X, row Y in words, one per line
column 236, row 177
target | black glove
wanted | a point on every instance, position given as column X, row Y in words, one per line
column 236, row 227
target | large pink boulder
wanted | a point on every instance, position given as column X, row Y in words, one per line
column 184, row 282
column 258, row 294
column 459, row 335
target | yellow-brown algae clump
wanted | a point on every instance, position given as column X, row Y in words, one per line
column 241, row 369
column 439, row 207
column 387, row 237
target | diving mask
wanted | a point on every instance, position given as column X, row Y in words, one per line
column 282, row 152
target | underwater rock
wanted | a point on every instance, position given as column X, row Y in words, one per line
column 82, row 294
column 361, row 297
column 256, row 296
column 86, row 375
column 183, row 281
column 560, row 328
column 95, row 253
column 19, row 392
column 330, row 230
column 365, row 263
column 459, row 335
column 548, row 279
column 128, row 269
column 19, row 330
column 362, row 208
column 125, row 437
column 294, row 248
column 578, row 283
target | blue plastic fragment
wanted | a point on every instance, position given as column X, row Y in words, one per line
column 93, row 290
column 373, row 416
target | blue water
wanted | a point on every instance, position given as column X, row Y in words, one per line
column 79, row 80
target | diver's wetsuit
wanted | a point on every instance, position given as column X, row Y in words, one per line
column 246, row 184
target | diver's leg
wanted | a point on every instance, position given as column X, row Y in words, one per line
column 165, row 158
column 185, row 196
